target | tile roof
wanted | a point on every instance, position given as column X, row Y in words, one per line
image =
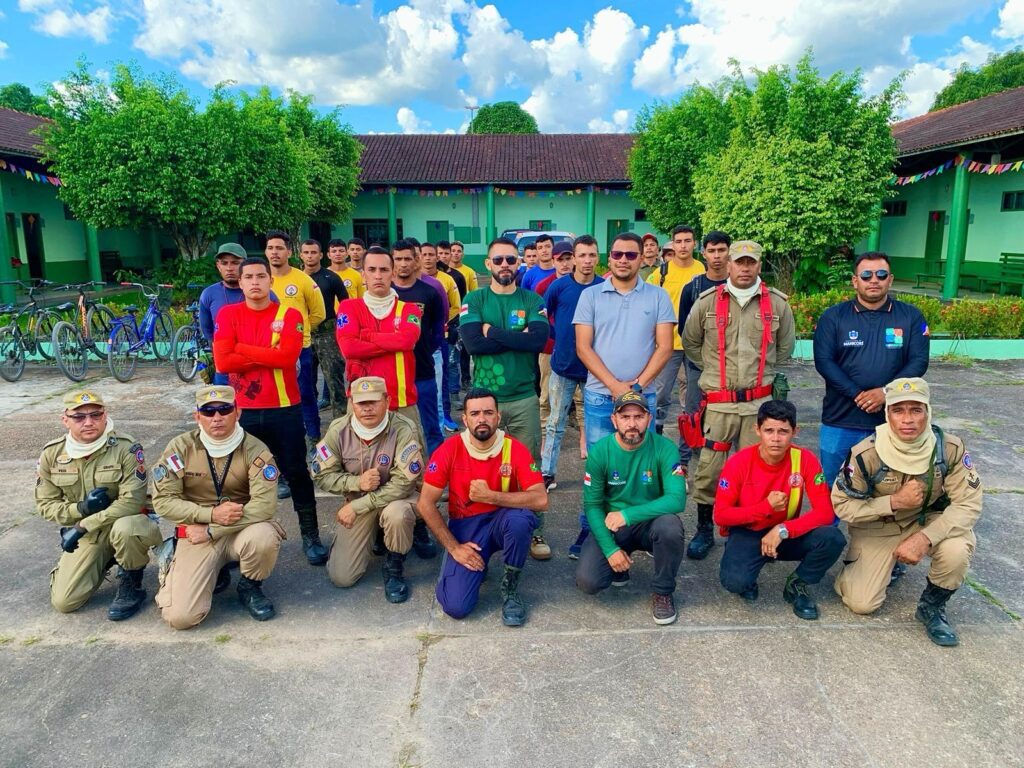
column 16, row 132
column 996, row 115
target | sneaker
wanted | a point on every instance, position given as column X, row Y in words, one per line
column 664, row 609
column 549, row 483
column 577, row 546
column 620, row 578
column 539, row 549
column 449, row 426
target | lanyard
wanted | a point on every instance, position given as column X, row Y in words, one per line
column 218, row 482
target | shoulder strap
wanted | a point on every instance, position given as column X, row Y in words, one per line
column 766, row 333
column 664, row 273
column 275, row 337
column 795, row 491
column 506, row 458
column 940, row 451
column 871, row 480
column 721, row 320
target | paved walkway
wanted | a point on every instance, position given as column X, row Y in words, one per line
column 341, row 678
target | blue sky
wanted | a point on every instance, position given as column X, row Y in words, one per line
column 575, row 65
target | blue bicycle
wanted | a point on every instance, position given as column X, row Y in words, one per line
column 129, row 337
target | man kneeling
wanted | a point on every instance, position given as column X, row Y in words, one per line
column 482, row 519
column 760, row 493
column 633, row 490
column 372, row 457
column 218, row 483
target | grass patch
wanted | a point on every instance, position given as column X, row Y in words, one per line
column 953, row 357
column 5, row 639
column 31, row 640
column 92, row 640
column 989, row 598
column 221, row 639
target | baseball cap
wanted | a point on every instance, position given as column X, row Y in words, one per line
column 647, row 237
column 368, row 388
column 745, row 249
column 232, row 249
column 563, row 246
column 215, row 394
column 73, row 400
column 907, row 389
column 630, row 398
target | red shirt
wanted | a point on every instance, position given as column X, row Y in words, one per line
column 452, row 466
column 384, row 348
column 263, row 375
column 746, row 481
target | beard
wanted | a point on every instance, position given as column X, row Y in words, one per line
column 632, row 437
column 505, row 278
column 483, row 432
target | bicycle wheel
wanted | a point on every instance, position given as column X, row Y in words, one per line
column 163, row 336
column 100, row 319
column 70, row 351
column 45, row 323
column 121, row 358
column 12, row 354
column 185, row 352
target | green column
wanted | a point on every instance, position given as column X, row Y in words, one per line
column 392, row 216
column 154, row 248
column 875, row 230
column 92, row 252
column 957, row 245
column 6, row 271
column 591, row 208
column 491, row 230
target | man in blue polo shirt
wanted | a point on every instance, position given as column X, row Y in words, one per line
column 859, row 346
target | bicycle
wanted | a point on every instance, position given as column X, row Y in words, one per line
column 37, row 338
column 128, row 337
column 190, row 351
column 73, row 342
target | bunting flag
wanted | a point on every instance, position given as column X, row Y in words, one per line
column 972, row 167
column 502, row 191
column 40, row 178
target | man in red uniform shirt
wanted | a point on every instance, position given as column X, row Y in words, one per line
column 494, row 491
column 257, row 343
column 760, row 493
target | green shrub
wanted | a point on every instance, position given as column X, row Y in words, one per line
column 1001, row 318
column 807, row 308
column 930, row 307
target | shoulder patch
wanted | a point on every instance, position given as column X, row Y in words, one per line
column 432, row 467
column 175, row 463
column 819, row 479
column 270, row 473
column 140, row 473
column 408, row 452
column 723, row 484
column 587, row 480
column 415, row 467
column 159, row 473
column 967, row 461
column 135, row 447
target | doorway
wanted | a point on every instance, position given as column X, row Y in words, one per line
column 321, row 232
column 437, row 230
column 615, row 227
column 933, row 238
column 32, row 226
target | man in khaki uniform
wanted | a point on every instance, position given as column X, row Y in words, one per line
column 92, row 482
column 907, row 492
column 374, row 458
column 738, row 378
column 218, row 484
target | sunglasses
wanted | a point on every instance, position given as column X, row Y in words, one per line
column 881, row 274
column 220, row 410
column 496, row 260
column 78, row 418
column 628, row 255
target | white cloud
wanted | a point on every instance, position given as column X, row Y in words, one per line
column 496, row 55
column 621, row 122
column 58, row 18
column 1011, row 20
column 409, row 123
column 653, row 70
column 3, row 49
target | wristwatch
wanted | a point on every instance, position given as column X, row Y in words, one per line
column 783, row 532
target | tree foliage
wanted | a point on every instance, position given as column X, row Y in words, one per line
column 1000, row 73
column 503, row 117
column 20, row 97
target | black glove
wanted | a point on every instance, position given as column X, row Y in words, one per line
column 95, row 501
column 69, row 538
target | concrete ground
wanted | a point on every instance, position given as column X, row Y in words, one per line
column 341, row 678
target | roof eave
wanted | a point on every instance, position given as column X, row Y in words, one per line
column 957, row 144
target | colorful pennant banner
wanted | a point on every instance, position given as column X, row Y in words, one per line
column 972, row 167
column 30, row 175
column 497, row 190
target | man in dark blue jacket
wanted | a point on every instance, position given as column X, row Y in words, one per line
column 859, row 346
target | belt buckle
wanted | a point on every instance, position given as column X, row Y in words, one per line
column 741, row 395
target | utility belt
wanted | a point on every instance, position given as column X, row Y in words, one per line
column 691, row 425
column 739, row 395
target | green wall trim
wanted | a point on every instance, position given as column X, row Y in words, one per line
column 977, row 349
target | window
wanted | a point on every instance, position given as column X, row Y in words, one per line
column 467, row 234
column 1013, row 201
column 639, row 214
column 374, row 231
column 894, row 207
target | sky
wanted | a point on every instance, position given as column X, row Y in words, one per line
column 415, row 66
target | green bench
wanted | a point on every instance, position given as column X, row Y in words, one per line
column 937, row 274
column 1011, row 273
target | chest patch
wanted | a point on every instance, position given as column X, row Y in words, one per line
column 291, row 290
column 383, row 459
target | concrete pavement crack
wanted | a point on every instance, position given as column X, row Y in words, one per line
column 987, row 596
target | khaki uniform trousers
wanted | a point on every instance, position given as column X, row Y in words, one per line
column 187, row 592
column 352, row 547
column 868, row 563
column 544, row 363
column 727, row 428
column 80, row 573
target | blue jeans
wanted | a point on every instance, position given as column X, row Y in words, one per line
column 307, row 391
column 560, row 393
column 835, row 444
column 426, row 404
column 444, row 405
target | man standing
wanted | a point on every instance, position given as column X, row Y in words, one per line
column 529, row 260
column 356, row 252
column 651, row 256
column 218, row 485
column 562, row 261
column 760, row 494
column 752, row 334
column 444, row 257
column 325, row 345
column 673, row 276
column 213, row 297
column 859, row 346
column 545, row 263
column 458, row 252
column 504, row 328
column 623, row 338
column 455, row 374
column 633, row 490
column 259, row 343
column 350, row 278
column 428, row 263
column 92, row 482
column 374, row 459
column 909, row 491
column 494, row 492
column 296, row 289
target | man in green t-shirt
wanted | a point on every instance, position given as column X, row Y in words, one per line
column 633, row 489
column 504, row 328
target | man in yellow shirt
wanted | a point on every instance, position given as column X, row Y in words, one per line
column 294, row 288
column 356, row 252
column 458, row 252
column 673, row 276
column 337, row 254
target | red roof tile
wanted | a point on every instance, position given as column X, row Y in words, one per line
column 997, row 115
column 16, row 132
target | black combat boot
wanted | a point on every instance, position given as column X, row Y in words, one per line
column 316, row 553
column 378, row 547
column 513, row 609
column 250, row 595
column 129, row 597
column 284, row 491
column 796, row 593
column 223, row 579
column 425, row 548
column 396, row 589
column 931, row 611
column 704, row 539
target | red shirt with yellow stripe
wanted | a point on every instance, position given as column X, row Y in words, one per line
column 258, row 349
column 746, row 481
column 384, row 347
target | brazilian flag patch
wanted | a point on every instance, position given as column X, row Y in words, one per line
column 819, row 479
column 413, row 319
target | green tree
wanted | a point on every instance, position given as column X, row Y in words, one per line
column 20, row 97
column 1000, row 73
column 503, row 117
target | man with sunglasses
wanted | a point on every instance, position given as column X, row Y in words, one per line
column 860, row 346
column 92, row 482
column 218, row 485
column 504, row 328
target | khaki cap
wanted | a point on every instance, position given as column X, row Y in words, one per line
column 73, row 400
column 369, row 388
column 742, row 249
column 218, row 393
column 903, row 390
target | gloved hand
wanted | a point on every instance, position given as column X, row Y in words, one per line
column 95, row 501
column 69, row 538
